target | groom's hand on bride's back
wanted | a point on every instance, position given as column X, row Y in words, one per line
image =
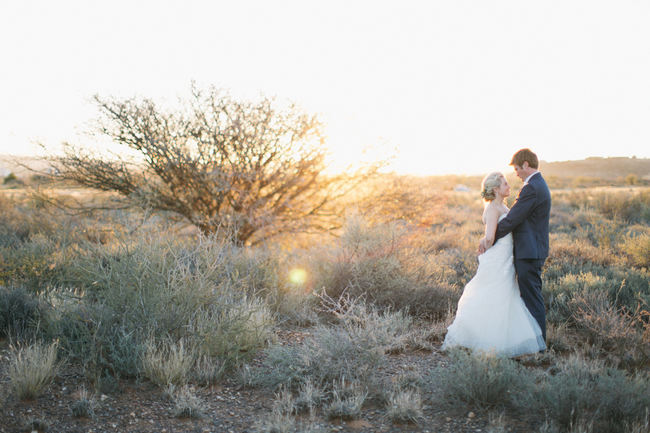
column 481, row 246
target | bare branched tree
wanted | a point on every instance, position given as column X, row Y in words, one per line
column 255, row 168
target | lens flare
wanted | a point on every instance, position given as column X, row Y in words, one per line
column 298, row 276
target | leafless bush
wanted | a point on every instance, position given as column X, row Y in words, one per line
column 254, row 169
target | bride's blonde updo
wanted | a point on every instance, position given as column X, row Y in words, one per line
column 490, row 183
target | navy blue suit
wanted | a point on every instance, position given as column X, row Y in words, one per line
column 528, row 221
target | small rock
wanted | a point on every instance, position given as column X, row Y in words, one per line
column 448, row 419
column 103, row 397
column 471, row 415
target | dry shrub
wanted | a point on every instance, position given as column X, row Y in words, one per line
column 630, row 206
column 569, row 251
column 380, row 264
column 638, row 249
column 616, row 331
column 624, row 288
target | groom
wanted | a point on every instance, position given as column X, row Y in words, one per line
column 528, row 221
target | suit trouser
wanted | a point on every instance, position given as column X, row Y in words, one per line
column 529, row 278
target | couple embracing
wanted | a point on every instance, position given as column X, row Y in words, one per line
column 501, row 309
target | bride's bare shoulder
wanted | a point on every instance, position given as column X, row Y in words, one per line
column 490, row 212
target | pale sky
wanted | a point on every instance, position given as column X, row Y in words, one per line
column 456, row 86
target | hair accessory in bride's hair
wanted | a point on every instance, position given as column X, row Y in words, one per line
column 489, row 184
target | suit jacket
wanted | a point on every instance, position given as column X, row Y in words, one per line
column 528, row 220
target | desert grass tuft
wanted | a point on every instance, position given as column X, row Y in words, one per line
column 497, row 423
column 84, row 405
column 208, row 371
column 309, row 397
column 404, row 406
column 345, row 404
column 36, row 425
column 281, row 419
column 32, row 368
column 276, row 422
column 187, row 404
column 166, row 362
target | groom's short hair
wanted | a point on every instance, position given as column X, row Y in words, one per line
column 525, row 155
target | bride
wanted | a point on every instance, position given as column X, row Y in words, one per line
column 491, row 316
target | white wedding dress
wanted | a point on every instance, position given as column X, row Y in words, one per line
column 491, row 315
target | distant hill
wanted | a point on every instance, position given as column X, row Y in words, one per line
column 609, row 169
column 16, row 165
column 597, row 167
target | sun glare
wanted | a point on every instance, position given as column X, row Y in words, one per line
column 298, row 276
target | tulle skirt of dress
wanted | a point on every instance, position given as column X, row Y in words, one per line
column 491, row 315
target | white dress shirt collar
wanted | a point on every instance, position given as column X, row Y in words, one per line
column 528, row 178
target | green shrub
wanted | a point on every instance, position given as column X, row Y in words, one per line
column 103, row 341
column 331, row 353
column 148, row 287
column 349, row 350
column 230, row 329
column 21, row 314
column 585, row 390
column 479, row 380
column 10, row 178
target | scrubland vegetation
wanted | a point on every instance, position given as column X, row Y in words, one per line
column 127, row 297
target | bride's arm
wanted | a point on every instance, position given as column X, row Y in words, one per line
column 491, row 220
